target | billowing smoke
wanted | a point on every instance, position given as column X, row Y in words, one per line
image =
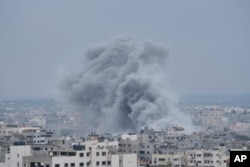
column 122, row 86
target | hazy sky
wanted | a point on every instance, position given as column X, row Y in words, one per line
column 209, row 41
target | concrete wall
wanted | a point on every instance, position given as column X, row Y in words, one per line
column 15, row 157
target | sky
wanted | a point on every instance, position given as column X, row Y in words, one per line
column 208, row 41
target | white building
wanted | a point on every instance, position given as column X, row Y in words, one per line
column 90, row 153
column 239, row 126
column 175, row 131
column 206, row 158
column 129, row 137
column 212, row 115
column 14, row 158
column 175, row 158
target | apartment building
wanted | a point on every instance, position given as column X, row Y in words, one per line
column 206, row 157
column 215, row 157
column 173, row 157
column 212, row 116
column 137, row 144
column 30, row 135
column 129, row 143
column 175, row 131
column 90, row 153
column 13, row 156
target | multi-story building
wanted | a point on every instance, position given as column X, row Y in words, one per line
column 175, row 131
column 37, row 136
column 30, row 135
column 206, row 157
column 129, row 143
column 176, row 158
column 90, row 153
column 212, row 115
column 13, row 156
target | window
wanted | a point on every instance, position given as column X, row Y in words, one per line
column 81, row 154
column 103, row 153
column 71, row 153
column 103, row 162
column 72, row 165
column 207, row 154
column 97, row 153
column 66, row 165
column 97, row 163
column 63, row 153
column 109, row 163
column 81, row 164
column 57, row 165
column 162, row 159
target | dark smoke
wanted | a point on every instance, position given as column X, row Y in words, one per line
column 122, row 86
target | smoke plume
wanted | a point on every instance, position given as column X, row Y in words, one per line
column 122, row 86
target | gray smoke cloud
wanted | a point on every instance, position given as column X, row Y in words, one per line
column 122, row 86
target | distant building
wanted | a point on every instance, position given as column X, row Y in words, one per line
column 29, row 135
column 239, row 126
column 212, row 115
column 175, row 131
column 206, row 158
